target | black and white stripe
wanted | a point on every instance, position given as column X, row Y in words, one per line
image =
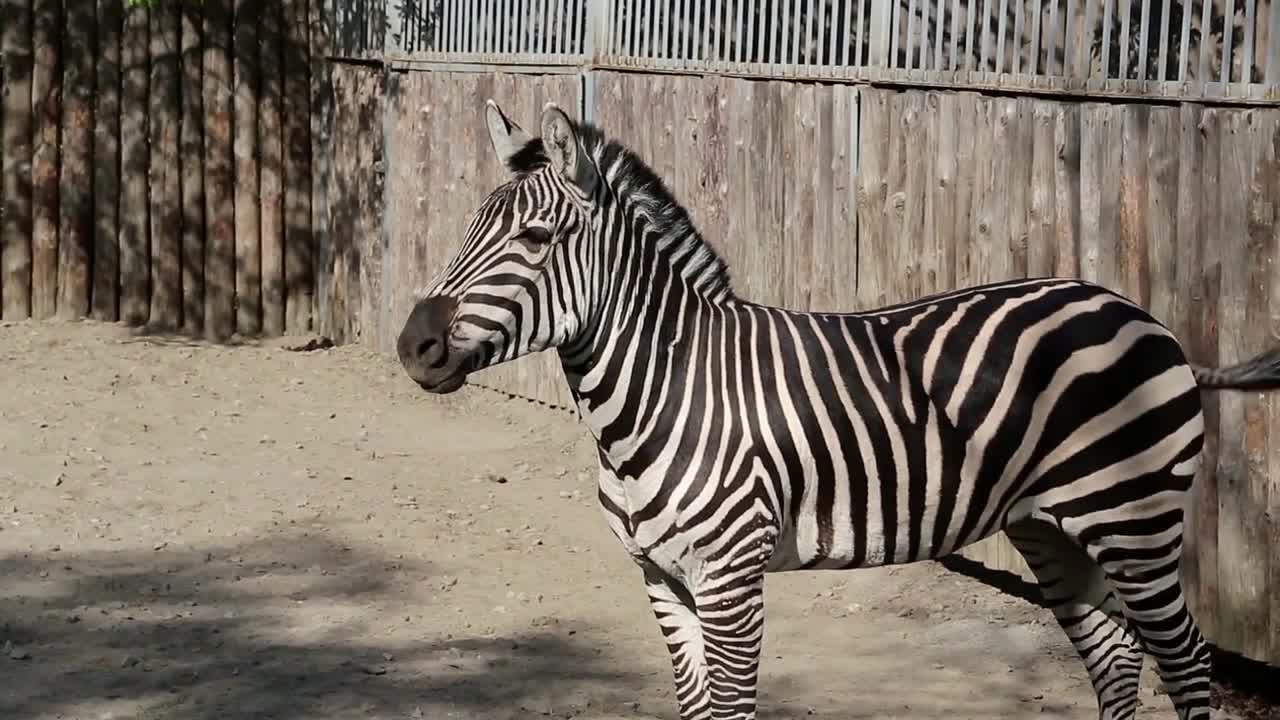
column 737, row 439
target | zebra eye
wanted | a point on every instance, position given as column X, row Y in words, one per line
column 534, row 237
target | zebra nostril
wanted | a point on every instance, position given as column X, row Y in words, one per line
column 425, row 347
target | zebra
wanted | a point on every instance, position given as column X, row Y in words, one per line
column 737, row 439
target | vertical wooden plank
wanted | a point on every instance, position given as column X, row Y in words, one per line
column 299, row 260
column 873, row 195
column 1014, row 137
column 219, row 173
column 46, row 89
column 163, row 115
column 1133, row 272
column 106, row 164
column 135, row 209
column 828, row 250
column 797, row 134
column 945, row 135
column 1202, row 229
column 1272, row 185
column 1101, row 128
column 923, row 256
column 320, row 48
column 1259, row 581
column 1066, row 185
column 740, row 223
column 15, row 183
column 271, row 168
column 1162, row 167
column 1243, row 612
column 75, row 195
column 841, row 267
column 1042, row 248
column 978, row 260
column 897, row 266
column 191, row 142
column 248, row 216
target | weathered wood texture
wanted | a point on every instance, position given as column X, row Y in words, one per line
column 119, row 192
column 15, row 160
column 163, row 122
column 355, row 191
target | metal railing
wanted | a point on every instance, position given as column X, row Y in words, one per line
column 1226, row 49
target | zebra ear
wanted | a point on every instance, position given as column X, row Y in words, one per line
column 560, row 142
column 507, row 137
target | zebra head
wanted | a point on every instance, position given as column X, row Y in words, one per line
column 515, row 285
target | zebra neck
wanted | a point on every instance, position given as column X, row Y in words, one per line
column 646, row 339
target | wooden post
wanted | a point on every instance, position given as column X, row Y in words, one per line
column 299, row 261
column 135, row 226
column 219, row 179
column 321, row 124
column 271, row 139
column 46, row 97
column 166, row 191
column 192, row 181
column 106, row 164
column 75, row 191
column 15, row 171
column 248, row 213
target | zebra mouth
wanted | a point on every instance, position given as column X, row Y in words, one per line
column 445, row 386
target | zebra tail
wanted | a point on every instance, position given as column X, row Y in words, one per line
column 1261, row 372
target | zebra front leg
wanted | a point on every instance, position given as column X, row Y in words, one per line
column 674, row 607
column 731, row 611
column 714, row 636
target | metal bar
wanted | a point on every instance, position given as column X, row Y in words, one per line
column 1273, row 44
column 924, row 45
column 832, row 57
column 664, row 36
column 985, row 46
column 699, row 9
column 1206, row 10
column 1018, row 22
column 895, row 25
column 1163, row 69
column 683, row 49
column 1002, row 26
column 507, row 26
column 909, row 59
column 1250, row 29
column 1144, row 39
column 1068, row 44
column 1036, row 41
column 1126, row 7
column 764, row 39
column 1184, row 42
column 752, row 40
column 858, row 28
column 1106, row 38
column 1227, row 22
column 794, row 19
column 821, row 40
column 955, row 32
column 971, row 10
column 938, row 34
column 806, row 47
column 1051, row 46
column 630, row 27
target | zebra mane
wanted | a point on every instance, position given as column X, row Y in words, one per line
column 634, row 183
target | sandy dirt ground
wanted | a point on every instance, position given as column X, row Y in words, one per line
column 191, row 532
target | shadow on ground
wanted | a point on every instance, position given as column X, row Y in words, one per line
column 1247, row 687
column 287, row 628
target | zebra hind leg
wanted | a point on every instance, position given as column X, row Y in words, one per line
column 1150, row 585
column 1089, row 612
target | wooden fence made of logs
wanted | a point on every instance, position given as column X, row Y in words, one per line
column 157, row 163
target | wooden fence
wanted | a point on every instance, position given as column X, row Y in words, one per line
column 157, row 163
column 829, row 196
